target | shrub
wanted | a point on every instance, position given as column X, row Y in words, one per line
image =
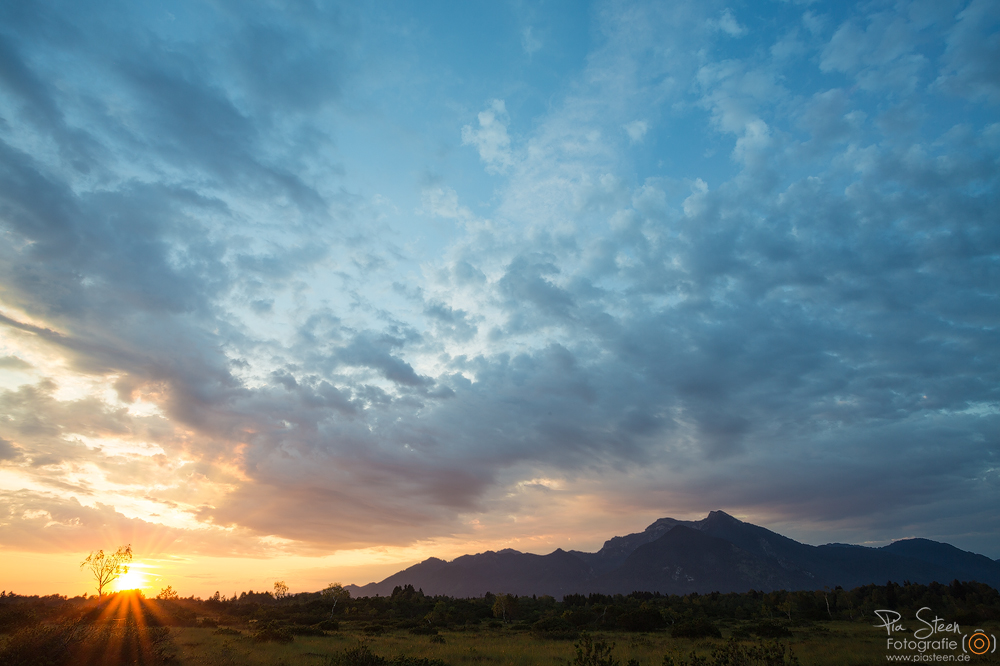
column 741, row 654
column 79, row 644
column 271, row 631
column 770, row 630
column 642, row 619
column 696, row 629
column 359, row 655
column 594, row 653
column 556, row 628
column 227, row 631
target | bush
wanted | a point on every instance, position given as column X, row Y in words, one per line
column 580, row 616
column 770, row 630
column 227, row 631
column 642, row 619
column 556, row 628
column 741, row 654
column 79, row 644
column 272, row 632
column 424, row 630
column 361, row 655
column 594, row 653
column 696, row 629
column 208, row 623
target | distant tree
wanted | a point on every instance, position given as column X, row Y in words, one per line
column 107, row 568
column 505, row 607
column 335, row 592
column 280, row 589
column 167, row 593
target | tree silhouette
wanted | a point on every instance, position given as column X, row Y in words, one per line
column 107, row 568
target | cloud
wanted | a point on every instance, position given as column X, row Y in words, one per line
column 973, row 45
column 728, row 24
column 789, row 313
column 491, row 139
column 529, row 41
column 14, row 363
column 636, row 130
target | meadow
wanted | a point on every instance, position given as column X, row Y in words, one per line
column 825, row 643
column 410, row 628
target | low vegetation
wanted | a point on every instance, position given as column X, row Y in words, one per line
column 410, row 628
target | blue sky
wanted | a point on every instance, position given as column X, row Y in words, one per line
column 299, row 279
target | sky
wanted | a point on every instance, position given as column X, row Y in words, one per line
column 310, row 291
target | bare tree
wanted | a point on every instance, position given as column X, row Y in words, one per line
column 107, row 568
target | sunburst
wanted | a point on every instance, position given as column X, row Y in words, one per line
column 133, row 580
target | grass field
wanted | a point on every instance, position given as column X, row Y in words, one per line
column 830, row 643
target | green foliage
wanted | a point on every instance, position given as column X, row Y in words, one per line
column 769, row 630
column 505, row 607
column 696, row 629
column 556, row 627
column 594, row 653
column 362, row 655
column 734, row 653
column 643, row 618
column 271, row 631
column 359, row 655
column 227, row 631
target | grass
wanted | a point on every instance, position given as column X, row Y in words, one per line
column 828, row 643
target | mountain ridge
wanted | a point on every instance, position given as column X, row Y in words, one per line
column 718, row 553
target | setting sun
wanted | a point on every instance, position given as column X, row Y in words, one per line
column 133, row 580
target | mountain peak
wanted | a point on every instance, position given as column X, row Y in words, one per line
column 717, row 553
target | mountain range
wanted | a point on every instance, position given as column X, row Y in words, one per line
column 716, row 554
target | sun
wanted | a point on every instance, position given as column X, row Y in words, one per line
column 133, row 580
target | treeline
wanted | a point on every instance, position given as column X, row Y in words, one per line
column 410, row 609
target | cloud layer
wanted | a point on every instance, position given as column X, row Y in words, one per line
column 295, row 282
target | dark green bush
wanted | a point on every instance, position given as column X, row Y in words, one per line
column 227, row 631
column 696, row 629
column 373, row 629
column 594, row 653
column 558, row 628
column 641, row 619
column 734, row 653
column 770, row 630
column 271, row 631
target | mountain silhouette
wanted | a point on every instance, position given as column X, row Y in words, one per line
column 716, row 554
